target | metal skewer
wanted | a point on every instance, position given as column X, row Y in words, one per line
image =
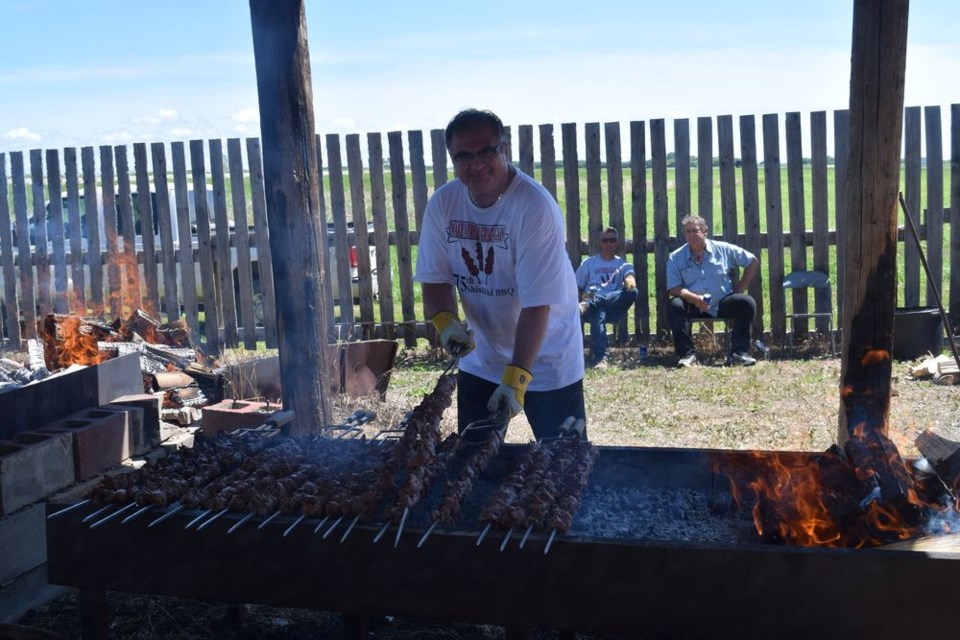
column 483, row 533
column 168, row 514
column 240, row 522
column 526, row 535
column 198, row 518
column 320, row 524
column 113, row 515
column 353, row 523
column 383, row 530
column 57, row 514
column 269, row 520
column 136, row 514
column 96, row 513
column 546, row 548
column 217, row 515
column 403, row 519
column 506, row 539
column 332, row 527
column 427, row 533
column 295, row 523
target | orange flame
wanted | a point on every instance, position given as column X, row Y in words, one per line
column 77, row 346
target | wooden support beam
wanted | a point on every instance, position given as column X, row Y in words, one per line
column 291, row 182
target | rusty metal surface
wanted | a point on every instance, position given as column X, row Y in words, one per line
column 655, row 588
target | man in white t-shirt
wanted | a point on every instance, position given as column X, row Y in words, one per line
column 608, row 288
column 494, row 237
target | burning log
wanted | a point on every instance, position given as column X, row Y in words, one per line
column 943, row 453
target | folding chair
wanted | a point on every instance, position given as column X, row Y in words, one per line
column 802, row 280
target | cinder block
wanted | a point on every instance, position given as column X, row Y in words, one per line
column 23, row 541
column 236, row 414
column 100, row 439
column 151, row 418
column 32, row 467
column 27, row 592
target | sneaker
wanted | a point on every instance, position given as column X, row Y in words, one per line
column 601, row 364
column 687, row 360
column 740, row 360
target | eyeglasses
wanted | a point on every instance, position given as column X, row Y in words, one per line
column 608, row 240
column 486, row 154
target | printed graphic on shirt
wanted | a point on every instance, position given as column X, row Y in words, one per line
column 478, row 252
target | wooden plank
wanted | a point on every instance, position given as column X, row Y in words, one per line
column 661, row 220
column 362, row 241
column 615, row 201
column 211, row 311
column 110, row 230
column 130, row 298
column 418, row 176
column 438, row 148
column 841, row 134
column 774, row 212
column 591, row 134
column 797, row 212
column 954, row 297
column 185, row 235
column 325, row 240
column 94, row 255
column 56, row 216
column 820, row 197
column 912, row 194
column 525, row 152
column 381, row 238
column 681, row 171
column 171, row 304
column 571, row 189
column 221, row 245
column 705, row 170
column 146, row 215
column 28, row 295
column 11, row 304
column 41, row 254
column 338, row 214
column 548, row 160
column 751, row 212
column 245, row 286
column 401, row 222
column 262, row 236
column 933, row 217
column 638, row 218
column 74, row 222
column 728, row 180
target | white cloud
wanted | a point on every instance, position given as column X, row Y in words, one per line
column 116, row 137
column 22, row 133
column 161, row 115
column 181, row 131
column 247, row 116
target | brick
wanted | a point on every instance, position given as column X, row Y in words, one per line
column 33, row 466
column 151, row 418
column 236, row 414
column 100, row 439
column 23, row 541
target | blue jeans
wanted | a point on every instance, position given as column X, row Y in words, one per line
column 604, row 308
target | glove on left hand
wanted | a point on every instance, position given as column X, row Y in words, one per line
column 507, row 400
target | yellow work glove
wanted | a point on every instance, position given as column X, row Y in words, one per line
column 629, row 283
column 507, row 400
column 454, row 337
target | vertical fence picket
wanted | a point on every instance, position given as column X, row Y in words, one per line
column 728, row 179
column 955, row 213
column 211, row 312
column 28, row 295
column 244, row 284
column 438, row 149
column 615, row 200
column 401, row 222
column 221, row 245
column 820, row 210
column 751, row 211
column 362, row 241
column 638, row 218
column 705, row 170
column 11, row 305
column 548, row 160
column 841, row 136
column 94, row 257
column 661, row 216
column 525, row 135
column 129, row 265
column 325, row 240
column 381, row 235
column 595, row 224
column 41, row 254
column 148, row 228
column 571, row 190
column 681, row 171
column 74, row 222
column 933, row 220
column 111, row 233
column 774, row 212
column 185, row 236
column 258, row 203
column 912, row 170
column 338, row 215
column 55, row 224
column 418, row 176
column 797, row 210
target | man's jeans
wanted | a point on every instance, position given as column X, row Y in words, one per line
column 738, row 307
column 604, row 308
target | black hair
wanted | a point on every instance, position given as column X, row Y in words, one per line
column 472, row 118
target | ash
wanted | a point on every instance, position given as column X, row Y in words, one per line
column 678, row 515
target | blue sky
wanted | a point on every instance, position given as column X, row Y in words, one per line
column 96, row 72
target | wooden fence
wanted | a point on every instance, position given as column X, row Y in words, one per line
column 223, row 287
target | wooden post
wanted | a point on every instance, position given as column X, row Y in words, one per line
column 291, row 182
column 877, row 73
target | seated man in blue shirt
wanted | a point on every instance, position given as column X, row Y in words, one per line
column 608, row 287
column 699, row 285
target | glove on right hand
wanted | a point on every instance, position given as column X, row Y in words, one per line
column 454, row 337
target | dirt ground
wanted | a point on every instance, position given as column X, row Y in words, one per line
column 787, row 402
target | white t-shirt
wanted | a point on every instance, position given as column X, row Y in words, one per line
column 597, row 275
column 501, row 259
